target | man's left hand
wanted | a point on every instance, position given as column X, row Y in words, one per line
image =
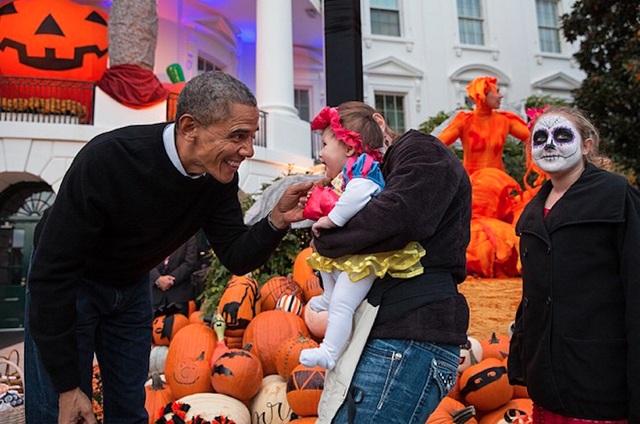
column 291, row 205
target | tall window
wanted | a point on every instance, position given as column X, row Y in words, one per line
column 205, row 65
column 470, row 22
column 385, row 17
column 301, row 102
column 392, row 108
column 548, row 25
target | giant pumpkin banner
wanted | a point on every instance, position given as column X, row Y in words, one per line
column 52, row 39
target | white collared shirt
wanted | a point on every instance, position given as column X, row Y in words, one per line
column 169, row 140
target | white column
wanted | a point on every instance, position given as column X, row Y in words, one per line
column 274, row 56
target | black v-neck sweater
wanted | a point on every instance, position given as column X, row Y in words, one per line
column 122, row 208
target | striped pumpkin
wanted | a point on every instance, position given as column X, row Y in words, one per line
column 290, row 303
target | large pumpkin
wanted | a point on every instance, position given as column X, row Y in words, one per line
column 288, row 355
column 275, row 288
column 270, row 405
column 239, row 303
column 237, row 373
column 213, row 407
column 304, row 389
column 157, row 396
column 268, row 331
column 450, row 411
column 165, row 328
column 509, row 413
column 52, row 39
column 187, row 367
column 486, row 385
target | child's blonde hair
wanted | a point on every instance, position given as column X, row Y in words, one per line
column 586, row 129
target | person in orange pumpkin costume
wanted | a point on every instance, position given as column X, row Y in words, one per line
column 484, row 130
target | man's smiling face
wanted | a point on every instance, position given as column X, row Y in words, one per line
column 220, row 148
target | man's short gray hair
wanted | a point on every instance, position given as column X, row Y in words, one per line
column 208, row 97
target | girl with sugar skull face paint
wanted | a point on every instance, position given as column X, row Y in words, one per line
column 577, row 325
column 556, row 144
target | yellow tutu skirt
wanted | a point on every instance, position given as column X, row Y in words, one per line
column 403, row 263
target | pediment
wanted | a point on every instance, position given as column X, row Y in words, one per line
column 219, row 26
column 558, row 82
column 394, row 67
column 468, row 73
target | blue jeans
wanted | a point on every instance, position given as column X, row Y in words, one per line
column 400, row 381
column 115, row 324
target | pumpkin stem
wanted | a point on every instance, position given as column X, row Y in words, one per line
column 494, row 339
column 472, row 358
column 157, row 383
column 464, row 415
column 219, row 325
column 248, row 347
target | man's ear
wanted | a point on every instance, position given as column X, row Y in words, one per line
column 186, row 127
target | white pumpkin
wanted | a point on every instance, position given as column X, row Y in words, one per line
column 270, row 405
column 211, row 405
column 157, row 358
column 470, row 354
column 511, row 328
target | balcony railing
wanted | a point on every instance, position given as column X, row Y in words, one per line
column 24, row 99
column 261, row 134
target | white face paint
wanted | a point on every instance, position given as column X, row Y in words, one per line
column 556, row 144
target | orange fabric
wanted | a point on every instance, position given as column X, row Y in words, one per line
column 479, row 87
column 483, row 133
column 493, row 250
column 494, row 194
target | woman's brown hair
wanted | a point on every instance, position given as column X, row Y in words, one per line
column 358, row 117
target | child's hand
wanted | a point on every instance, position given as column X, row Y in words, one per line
column 321, row 224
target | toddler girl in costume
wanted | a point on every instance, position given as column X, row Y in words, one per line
column 351, row 140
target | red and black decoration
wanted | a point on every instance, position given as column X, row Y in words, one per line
column 53, row 39
column 179, row 411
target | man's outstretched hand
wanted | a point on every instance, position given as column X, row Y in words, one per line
column 291, row 205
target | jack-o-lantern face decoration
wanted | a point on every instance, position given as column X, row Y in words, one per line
column 52, row 39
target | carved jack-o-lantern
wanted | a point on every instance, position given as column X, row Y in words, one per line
column 52, row 39
column 187, row 364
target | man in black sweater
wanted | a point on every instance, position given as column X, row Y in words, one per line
column 131, row 197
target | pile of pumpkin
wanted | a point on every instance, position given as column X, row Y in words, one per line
column 497, row 203
column 482, row 394
column 241, row 365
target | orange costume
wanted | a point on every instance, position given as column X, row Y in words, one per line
column 483, row 132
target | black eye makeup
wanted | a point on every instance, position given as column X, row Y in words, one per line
column 563, row 135
column 540, row 137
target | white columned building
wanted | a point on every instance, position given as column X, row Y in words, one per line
column 274, row 78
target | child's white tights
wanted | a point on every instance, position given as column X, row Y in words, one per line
column 341, row 298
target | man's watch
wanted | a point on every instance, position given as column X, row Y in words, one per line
column 273, row 226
